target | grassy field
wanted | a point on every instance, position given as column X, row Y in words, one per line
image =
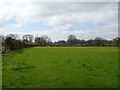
column 61, row 67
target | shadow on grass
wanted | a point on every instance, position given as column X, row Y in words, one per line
column 19, row 51
column 17, row 66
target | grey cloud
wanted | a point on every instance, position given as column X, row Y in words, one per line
column 63, row 13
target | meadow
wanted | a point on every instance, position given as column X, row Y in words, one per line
column 61, row 67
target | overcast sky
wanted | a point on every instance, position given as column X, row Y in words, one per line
column 58, row 20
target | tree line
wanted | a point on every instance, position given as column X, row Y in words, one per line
column 13, row 42
column 98, row 41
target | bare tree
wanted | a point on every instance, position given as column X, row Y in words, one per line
column 46, row 38
column 13, row 36
column 38, row 40
column 116, row 41
column 71, row 40
column 71, row 37
column 43, row 40
column 98, row 41
column 28, row 38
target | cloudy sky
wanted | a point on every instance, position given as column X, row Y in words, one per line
column 58, row 20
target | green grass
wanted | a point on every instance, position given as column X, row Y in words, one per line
column 61, row 67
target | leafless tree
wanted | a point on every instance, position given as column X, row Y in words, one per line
column 72, row 40
column 28, row 38
column 46, row 38
column 13, row 36
column 43, row 40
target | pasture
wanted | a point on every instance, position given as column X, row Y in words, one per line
column 61, row 67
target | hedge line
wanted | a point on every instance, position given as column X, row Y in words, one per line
column 17, row 44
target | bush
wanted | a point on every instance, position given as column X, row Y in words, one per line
column 17, row 44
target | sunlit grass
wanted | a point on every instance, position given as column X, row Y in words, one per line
column 61, row 67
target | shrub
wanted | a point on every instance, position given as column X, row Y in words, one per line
column 17, row 44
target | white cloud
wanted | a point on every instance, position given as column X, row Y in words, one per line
column 16, row 25
column 63, row 27
column 29, row 10
column 58, row 20
column 61, row 17
column 106, row 31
